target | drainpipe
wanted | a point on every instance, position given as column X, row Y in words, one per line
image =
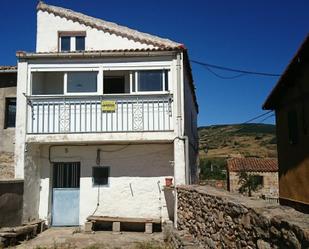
column 180, row 134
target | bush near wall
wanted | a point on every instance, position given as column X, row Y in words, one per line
column 213, row 169
column 220, row 219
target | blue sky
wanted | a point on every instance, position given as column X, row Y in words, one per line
column 253, row 35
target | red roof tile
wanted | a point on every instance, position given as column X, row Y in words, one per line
column 252, row 164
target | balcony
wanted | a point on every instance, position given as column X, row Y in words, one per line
column 99, row 114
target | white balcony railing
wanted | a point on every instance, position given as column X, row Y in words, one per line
column 85, row 114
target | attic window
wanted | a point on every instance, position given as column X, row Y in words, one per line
column 71, row 40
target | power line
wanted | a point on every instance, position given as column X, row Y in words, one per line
column 242, row 72
column 254, row 118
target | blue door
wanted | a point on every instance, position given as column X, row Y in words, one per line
column 66, row 180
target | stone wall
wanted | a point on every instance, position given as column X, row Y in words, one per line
column 6, row 165
column 219, row 219
column 11, row 202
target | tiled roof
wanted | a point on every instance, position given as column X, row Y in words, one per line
column 109, row 27
column 252, row 164
column 8, row 68
column 98, row 52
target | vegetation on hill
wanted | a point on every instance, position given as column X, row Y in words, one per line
column 248, row 140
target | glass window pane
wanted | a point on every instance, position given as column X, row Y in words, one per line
column 166, row 79
column 80, row 43
column 10, row 113
column 150, row 80
column 65, row 43
column 82, row 82
column 47, row 83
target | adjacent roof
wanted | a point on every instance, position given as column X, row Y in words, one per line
column 252, row 164
column 109, row 27
column 300, row 58
column 99, row 53
column 8, row 69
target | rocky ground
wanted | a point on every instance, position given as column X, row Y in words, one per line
column 72, row 238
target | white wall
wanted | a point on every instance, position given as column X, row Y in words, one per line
column 142, row 166
column 48, row 26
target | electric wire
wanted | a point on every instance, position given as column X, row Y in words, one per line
column 241, row 71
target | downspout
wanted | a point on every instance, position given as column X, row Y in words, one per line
column 180, row 135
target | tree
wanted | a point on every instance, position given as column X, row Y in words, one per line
column 248, row 182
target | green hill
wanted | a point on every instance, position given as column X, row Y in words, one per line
column 249, row 140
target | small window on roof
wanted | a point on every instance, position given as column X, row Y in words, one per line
column 65, row 43
column 80, row 43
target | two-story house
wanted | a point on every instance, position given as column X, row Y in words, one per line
column 105, row 114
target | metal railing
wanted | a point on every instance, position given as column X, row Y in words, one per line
column 84, row 114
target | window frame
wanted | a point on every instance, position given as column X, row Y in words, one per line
column 72, row 35
column 108, row 176
column 65, row 84
column 6, row 112
column 166, row 73
column 65, row 71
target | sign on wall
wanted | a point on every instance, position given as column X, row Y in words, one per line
column 108, row 106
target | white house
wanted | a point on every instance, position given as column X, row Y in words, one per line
column 104, row 115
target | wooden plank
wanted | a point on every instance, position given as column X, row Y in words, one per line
column 123, row 219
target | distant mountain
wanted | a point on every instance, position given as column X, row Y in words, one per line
column 249, row 140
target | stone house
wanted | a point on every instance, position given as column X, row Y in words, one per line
column 106, row 115
column 8, row 78
column 289, row 99
column 264, row 169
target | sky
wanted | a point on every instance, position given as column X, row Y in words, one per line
column 256, row 35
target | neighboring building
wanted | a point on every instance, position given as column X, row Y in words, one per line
column 264, row 169
column 290, row 101
column 8, row 78
column 104, row 115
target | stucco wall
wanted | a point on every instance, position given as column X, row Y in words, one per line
column 7, row 90
column 270, row 186
column 136, row 172
column 47, row 35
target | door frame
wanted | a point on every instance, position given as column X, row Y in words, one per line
column 52, row 189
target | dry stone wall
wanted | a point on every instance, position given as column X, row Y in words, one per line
column 219, row 219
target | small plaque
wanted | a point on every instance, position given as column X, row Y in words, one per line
column 108, row 106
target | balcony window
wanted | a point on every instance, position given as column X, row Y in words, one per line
column 116, row 82
column 152, row 81
column 82, row 82
column 47, row 83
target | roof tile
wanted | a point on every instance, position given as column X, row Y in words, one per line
column 252, row 164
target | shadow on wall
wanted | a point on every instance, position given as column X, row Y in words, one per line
column 147, row 160
column 11, row 202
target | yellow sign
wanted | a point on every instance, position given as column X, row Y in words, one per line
column 108, row 105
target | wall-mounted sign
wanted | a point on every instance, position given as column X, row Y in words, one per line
column 108, row 106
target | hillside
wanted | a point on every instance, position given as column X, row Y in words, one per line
column 258, row 140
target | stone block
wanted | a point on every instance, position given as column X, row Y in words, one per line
column 148, row 227
column 116, row 227
column 88, row 227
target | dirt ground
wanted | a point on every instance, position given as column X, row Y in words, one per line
column 71, row 238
